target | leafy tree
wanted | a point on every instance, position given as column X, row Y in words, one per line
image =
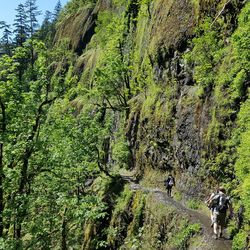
column 26, row 105
column 111, row 80
column 206, row 54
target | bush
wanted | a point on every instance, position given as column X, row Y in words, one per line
column 239, row 241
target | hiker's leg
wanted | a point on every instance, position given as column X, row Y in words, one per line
column 215, row 225
column 212, row 217
column 221, row 231
column 168, row 192
column 222, row 222
column 216, row 228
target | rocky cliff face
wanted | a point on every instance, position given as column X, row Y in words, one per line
column 168, row 129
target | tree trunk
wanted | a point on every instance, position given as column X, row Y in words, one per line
column 22, row 190
column 64, row 232
column 1, row 190
column 24, row 171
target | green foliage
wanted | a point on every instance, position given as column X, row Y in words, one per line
column 50, row 150
column 193, row 204
column 109, row 29
column 221, row 66
column 178, row 196
column 206, row 54
column 241, row 38
column 180, row 239
column 58, row 135
column 142, row 72
column 111, row 83
column 120, row 152
column 239, row 241
column 243, row 156
column 74, row 6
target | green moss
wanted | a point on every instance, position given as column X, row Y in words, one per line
column 150, row 100
column 163, row 228
column 87, row 63
column 124, row 201
column 159, row 103
column 196, row 4
column 141, row 38
column 212, row 133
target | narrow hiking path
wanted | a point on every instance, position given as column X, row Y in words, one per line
column 193, row 215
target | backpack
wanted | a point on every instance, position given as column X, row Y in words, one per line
column 211, row 202
column 222, row 203
column 170, row 181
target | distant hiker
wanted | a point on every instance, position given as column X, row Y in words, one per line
column 211, row 205
column 223, row 203
column 169, row 183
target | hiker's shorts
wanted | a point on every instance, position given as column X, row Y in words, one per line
column 219, row 218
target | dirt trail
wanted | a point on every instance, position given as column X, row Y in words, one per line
column 193, row 215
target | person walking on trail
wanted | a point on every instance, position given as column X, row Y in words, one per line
column 211, row 205
column 169, row 182
column 223, row 203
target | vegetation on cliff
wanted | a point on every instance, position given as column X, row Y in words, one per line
column 150, row 86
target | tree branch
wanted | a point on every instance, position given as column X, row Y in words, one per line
column 3, row 116
column 102, row 169
column 221, row 11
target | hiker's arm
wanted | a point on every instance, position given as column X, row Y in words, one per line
column 210, row 198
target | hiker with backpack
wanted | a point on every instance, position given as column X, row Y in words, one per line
column 222, row 204
column 211, row 205
column 169, row 183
